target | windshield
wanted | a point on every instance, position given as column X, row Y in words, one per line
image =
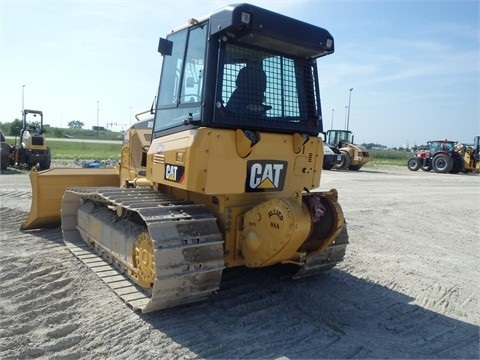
column 334, row 137
column 442, row 145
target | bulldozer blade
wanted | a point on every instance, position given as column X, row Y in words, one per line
column 48, row 187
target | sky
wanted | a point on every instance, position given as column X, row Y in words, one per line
column 413, row 66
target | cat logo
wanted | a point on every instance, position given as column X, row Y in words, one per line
column 174, row 173
column 265, row 175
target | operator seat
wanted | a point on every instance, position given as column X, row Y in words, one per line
column 247, row 99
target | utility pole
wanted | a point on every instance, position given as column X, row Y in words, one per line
column 23, row 98
column 349, row 101
column 98, row 115
column 331, row 126
column 346, row 114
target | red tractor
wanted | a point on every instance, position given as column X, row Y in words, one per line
column 439, row 156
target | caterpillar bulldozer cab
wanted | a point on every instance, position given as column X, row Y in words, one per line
column 231, row 172
column 31, row 148
column 353, row 156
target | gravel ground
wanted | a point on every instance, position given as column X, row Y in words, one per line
column 408, row 287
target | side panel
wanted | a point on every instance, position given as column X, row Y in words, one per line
column 207, row 161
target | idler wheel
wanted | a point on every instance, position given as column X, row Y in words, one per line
column 144, row 260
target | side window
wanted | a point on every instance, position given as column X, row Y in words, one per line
column 192, row 82
column 181, row 86
column 171, row 71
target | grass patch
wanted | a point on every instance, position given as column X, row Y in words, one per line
column 104, row 151
column 388, row 157
column 84, row 150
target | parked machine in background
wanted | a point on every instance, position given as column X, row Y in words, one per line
column 470, row 154
column 230, row 172
column 353, row 156
column 5, row 152
column 48, row 186
column 441, row 155
column 331, row 157
column 132, row 167
column 31, row 148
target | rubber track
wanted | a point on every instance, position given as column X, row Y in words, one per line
column 182, row 231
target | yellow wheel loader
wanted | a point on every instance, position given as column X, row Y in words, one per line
column 353, row 156
column 231, row 170
column 470, row 155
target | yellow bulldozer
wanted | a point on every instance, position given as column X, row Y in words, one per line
column 228, row 176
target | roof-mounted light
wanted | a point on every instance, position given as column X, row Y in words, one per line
column 246, row 18
column 329, row 43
